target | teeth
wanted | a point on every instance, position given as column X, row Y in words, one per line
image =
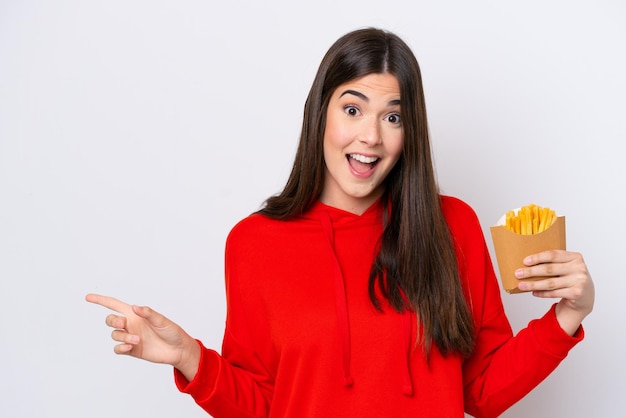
column 363, row 158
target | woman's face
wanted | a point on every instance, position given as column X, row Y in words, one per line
column 362, row 141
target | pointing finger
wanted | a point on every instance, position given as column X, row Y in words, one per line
column 109, row 302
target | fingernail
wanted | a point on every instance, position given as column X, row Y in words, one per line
column 522, row 286
column 519, row 273
column 527, row 260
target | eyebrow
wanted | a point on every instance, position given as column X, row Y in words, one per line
column 360, row 95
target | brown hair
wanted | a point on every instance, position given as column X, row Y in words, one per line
column 416, row 267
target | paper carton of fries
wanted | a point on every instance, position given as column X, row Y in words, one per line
column 528, row 230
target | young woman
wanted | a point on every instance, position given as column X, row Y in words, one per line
column 359, row 290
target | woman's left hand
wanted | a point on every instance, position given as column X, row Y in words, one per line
column 566, row 277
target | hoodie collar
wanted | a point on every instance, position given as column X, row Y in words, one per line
column 340, row 216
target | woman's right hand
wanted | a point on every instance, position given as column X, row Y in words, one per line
column 148, row 335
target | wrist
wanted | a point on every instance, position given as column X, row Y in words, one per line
column 569, row 319
column 189, row 359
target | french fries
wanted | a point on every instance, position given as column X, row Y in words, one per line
column 529, row 219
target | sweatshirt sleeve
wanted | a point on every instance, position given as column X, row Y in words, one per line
column 226, row 388
column 502, row 368
column 235, row 383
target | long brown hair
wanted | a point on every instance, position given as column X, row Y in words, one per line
column 416, row 266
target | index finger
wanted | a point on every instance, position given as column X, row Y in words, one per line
column 549, row 256
column 109, row 302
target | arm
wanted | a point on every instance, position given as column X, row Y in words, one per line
column 503, row 368
column 225, row 386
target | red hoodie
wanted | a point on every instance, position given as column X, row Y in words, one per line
column 303, row 339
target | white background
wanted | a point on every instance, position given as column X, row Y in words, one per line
column 134, row 134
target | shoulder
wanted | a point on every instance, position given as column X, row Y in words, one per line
column 462, row 220
column 259, row 230
column 251, row 226
column 456, row 210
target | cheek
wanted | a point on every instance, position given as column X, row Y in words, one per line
column 336, row 134
column 396, row 147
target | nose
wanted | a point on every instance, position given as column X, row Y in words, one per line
column 371, row 133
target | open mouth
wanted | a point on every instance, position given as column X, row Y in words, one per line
column 362, row 163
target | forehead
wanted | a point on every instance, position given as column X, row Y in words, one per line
column 378, row 84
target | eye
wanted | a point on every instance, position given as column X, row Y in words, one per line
column 394, row 118
column 351, row 110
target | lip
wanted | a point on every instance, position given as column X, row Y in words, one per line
column 365, row 173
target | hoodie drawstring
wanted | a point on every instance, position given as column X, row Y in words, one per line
column 342, row 316
column 407, row 319
column 340, row 302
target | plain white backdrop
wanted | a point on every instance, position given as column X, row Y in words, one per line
column 135, row 134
